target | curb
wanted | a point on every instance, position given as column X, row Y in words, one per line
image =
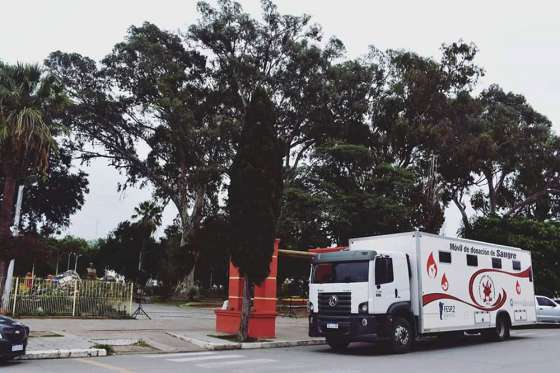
column 63, row 354
column 215, row 344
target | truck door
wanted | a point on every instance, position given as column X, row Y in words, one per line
column 385, row 291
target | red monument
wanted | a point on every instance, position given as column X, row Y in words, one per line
column 262, row 321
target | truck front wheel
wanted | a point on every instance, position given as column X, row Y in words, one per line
column 401, row 336
column 338, row 343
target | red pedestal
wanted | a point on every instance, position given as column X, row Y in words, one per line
column 262, row 321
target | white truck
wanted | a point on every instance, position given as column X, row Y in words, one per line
column 399, row 287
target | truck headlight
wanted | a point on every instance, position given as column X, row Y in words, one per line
column 363, row 307
column 310, row 307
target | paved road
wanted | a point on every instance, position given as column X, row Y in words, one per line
column 535, row 350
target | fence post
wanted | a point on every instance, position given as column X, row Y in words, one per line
column 74, row 300
column 130, row 303
column 15, row 297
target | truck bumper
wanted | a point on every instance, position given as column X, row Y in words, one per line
column 354, row 327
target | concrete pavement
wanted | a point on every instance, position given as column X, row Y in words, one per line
column 532, row 350
column 171, row 329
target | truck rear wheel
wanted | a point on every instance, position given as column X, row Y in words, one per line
column 401, row 336
column 338, row 343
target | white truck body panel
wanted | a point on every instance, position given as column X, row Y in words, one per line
column 454, row 296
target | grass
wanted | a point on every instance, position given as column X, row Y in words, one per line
column 106, row 347
column 141, row 343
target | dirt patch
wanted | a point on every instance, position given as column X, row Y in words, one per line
column 43, row 334
column 233, row 338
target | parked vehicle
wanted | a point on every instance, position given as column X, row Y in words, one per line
column 112, row 276
column 13, row 338
column 398, row 287
column 548, row 311
column 67, row 278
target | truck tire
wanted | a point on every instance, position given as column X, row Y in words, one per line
column 338, row 343
column 401, row 336
column 502, row 330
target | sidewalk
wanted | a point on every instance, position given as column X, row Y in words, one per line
column 172, row 329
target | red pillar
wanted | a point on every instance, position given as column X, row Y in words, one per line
column 262, row 321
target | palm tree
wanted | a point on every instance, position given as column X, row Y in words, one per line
column 148, row 216
column 28, row 98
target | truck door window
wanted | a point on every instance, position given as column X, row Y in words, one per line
column 516, row 265
column 496, row 263
column 383, row 270
column 444, row 257
column 472, row 260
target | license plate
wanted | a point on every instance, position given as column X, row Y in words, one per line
column 332, row 326
column 17, row 348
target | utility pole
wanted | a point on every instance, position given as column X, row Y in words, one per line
column 17, row 216
column 76, row 262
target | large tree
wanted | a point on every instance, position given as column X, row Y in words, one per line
column 284, row 54
column 503, row 153
column 29, row 101
column 540, row 237
column 254, row 198
column 148, row 110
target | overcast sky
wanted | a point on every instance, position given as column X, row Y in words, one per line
column 519, row 44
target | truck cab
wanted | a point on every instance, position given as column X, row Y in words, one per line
column 362, row 295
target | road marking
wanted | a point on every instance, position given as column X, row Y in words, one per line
column 201, row 358
column 234, row 362
column 103, row 365
column 181, row 354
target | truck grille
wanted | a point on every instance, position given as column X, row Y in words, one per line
column 341, row 306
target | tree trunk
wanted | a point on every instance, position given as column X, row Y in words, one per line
column 189, row 225
column 188, row 280
column 245, row 311
column 7, row 208
column 463, row 211
column 492, row 192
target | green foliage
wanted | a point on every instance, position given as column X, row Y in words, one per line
column 374, row 145
column 29, row 103
column 255, row 191
column 49, row 203
column 542, row 238
column 120, row 251
column 164, row 103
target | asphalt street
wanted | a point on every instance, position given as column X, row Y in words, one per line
column 530, row 350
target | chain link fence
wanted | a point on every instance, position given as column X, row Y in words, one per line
column 73, row 298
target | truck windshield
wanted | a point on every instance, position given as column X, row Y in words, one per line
column 324, row 273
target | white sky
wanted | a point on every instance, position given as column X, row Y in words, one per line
column 519, row 45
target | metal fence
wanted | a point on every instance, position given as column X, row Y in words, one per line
column 75, row 298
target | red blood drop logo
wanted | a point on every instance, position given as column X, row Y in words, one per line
column 444, row 283
column 431, row 266
column 518, row 288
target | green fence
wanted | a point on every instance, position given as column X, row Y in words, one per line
column 74, row 298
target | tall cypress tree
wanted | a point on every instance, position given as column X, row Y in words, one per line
column 254, row 198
